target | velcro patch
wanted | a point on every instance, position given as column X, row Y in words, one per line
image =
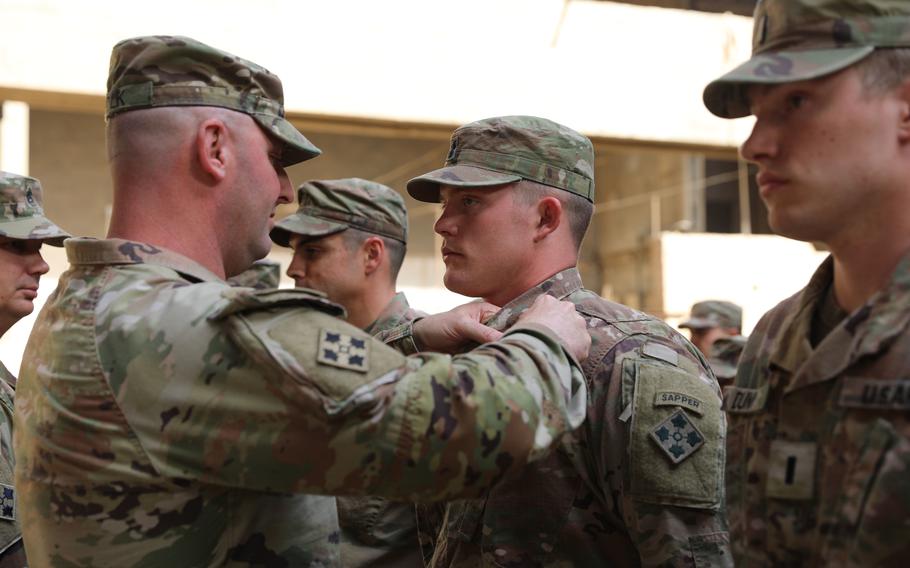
column 738, row 400
column 791, row 470
column 662, row 352
column 858, row 392
column 7, row 502
column 669, row 398
column 678, row 437
column 344, row 351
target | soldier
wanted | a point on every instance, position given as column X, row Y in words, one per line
column 349, row 238
column 641, row 482
column 819, row 445
column 23, row 230
column 716, row 330
column 167, row 418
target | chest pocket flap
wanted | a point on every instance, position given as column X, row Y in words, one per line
column 676, row 446
column 297, row 334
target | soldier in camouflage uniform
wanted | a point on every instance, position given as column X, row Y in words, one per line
column 23, row 230
column 641, row 482
column 166, row 418
column 716, row 330
column 349, row 238
column 819, row 443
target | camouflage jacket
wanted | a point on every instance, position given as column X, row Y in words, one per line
column 376, row 531
column 166, row 418
column 611, row 494
column 262, row 275
column 819, row 442
column 11, row 552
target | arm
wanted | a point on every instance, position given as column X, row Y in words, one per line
column 258, row 409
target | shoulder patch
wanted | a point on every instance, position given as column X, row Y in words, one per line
column 7, row 502
column 341, row 350
column 661, row 352
column 678, row 437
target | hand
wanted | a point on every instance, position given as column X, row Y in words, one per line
column 455, row 330
column 563, row 320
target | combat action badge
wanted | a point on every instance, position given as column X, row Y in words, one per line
column 678, row 437
column 341, row 350
column 7, row 502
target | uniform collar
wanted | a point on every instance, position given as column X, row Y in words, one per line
column 560, row 285
column 87, row 251
column 391, row 314
column 867, row 330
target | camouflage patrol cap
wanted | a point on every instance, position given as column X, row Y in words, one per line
column 797, row 40
column 506, row 149
column 714, row 313
column 22, row 216
column 161, row 71
column 331, row 206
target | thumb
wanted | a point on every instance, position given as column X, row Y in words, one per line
column 479, row 333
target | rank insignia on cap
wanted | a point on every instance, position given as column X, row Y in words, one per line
column 678, row 437
column 340, row 350
column 7, row 502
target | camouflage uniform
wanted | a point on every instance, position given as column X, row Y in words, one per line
column 819, row 441
column 263, row 275
column 168, row 418
column 22, row 217
column 374, row 531
column 641, row 482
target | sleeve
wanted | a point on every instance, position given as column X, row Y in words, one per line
column 672, row 467
column 271, row 392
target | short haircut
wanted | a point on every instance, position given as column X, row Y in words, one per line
column 396, row 249
column 578, row 210
column 885, row 69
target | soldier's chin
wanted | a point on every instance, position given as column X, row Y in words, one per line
column 459, row 284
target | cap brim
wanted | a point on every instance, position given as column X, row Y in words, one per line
column 303, row 225
column 726, row 96
column 296, row 146
column 35, row 228
column 697, row 323
column 426, row 187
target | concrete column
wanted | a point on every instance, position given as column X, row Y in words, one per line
column 14, row 131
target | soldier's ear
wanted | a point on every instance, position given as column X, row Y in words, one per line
column 373, row 252
column 549, row 217
column 211, row 148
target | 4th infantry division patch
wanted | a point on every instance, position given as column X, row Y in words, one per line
column 340, row 350
column 677, row 436
column 7, row 502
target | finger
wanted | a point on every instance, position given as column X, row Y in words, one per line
column 479, row 333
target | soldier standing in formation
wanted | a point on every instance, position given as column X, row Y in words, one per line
column 166, row 418
column 23, row 230
column 349, row 238
column 819, row 441
column 641, row 482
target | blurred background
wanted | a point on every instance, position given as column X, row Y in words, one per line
column 380, row 85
